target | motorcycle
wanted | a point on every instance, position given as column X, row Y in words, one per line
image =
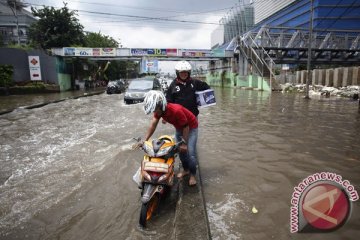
column 156, row 174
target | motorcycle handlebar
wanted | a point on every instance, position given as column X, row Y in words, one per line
column 138, row 139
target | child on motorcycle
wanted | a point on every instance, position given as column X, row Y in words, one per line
column 186, row 126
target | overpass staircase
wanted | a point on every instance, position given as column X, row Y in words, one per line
column 261, row 62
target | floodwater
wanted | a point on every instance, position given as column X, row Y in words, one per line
column 66, row 168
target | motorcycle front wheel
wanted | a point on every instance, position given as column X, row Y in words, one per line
column 147, row 209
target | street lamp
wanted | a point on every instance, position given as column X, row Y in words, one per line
column 309, row 50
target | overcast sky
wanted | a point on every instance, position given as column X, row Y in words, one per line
column 150, row 23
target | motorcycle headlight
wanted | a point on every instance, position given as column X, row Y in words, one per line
column 149, row 150
column 163, row 151
column 163, row 177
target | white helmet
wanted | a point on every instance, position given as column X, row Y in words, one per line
column 183, row 66
column 154, row 99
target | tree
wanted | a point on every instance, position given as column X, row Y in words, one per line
column 94, row 40
column 99, row 70
column 56, row 28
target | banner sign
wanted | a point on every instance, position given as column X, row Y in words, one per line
column 108, row 52
column 149, row 66
column 218, row 52
column 123, row 52
column 96, row 51
column 83, row 51
column 171, row 52
column 153, row 52
column 34, row 66
column 150, row 52
column 195, row 53
column 68, row 51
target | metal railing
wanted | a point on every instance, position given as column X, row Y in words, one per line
column 258, row 57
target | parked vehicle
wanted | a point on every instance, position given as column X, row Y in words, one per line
column 165, row 84
column 156, row 175
column 138, row 87
column 116, row 86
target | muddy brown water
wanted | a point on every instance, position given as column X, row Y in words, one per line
column 66, row 167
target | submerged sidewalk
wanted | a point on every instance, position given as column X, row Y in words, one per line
column 12, row 102
column 191, row 206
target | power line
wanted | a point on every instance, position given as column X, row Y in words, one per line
column 147, row 18
column 138, row 18
column 117, row 5
column 151, row 9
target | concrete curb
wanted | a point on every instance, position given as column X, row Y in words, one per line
column 191, row 205
column 55, row 101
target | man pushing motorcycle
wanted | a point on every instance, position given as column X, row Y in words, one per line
column 186, row 126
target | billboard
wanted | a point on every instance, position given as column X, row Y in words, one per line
column 78, row 52
column 123, row 52
column 149, row 66
column 194, row 53
column 107, row 51
column 34, row 66
column 153, row 52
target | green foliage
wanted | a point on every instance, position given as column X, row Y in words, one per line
column 56, row 28
column 6, row 72
column 32, row 87
column 23, row 47
column 122, row 69
column 94, row 40
column 115, row 70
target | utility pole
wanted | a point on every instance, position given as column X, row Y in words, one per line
column 17, row 23
column 309, row 51
column 17, row 19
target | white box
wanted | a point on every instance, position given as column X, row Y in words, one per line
column 205, row 98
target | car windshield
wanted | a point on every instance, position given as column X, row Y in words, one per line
column 141, row 84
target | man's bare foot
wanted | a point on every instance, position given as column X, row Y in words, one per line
column 182, row 174
column 192, row 180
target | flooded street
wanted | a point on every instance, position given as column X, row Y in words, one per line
column 255, row 148
column 66, row 168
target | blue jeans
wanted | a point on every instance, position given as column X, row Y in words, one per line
column 188, row 159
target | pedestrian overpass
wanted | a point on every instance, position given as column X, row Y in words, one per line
column 148, row 57
column 263, row 49
column 255, row 52
column 138, row 54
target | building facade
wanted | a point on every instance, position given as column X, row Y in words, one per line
column 328, row 15
column 264, row 9
column 237, row 21
column 14, row 23
column 286, row 24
